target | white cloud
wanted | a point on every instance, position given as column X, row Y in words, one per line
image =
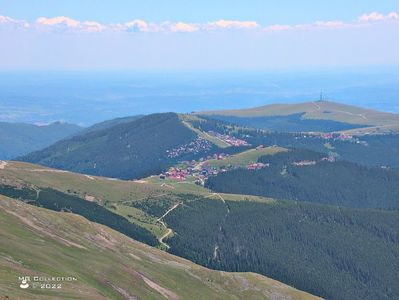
column 375, row 16
column 133, row 26
column 361, row 21
column 316, row 25
column 142, row 26
column 63, row 22
column 231, row 24
column 184, row 27
column 330, row 24
column 278, row 27
column 92, row 26
column 4, row 20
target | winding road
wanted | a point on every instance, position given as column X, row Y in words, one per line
column 168, row 230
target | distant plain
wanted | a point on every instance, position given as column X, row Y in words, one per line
column 85, row 98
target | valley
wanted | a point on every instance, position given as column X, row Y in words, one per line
column 107, row 264
column 229, row 198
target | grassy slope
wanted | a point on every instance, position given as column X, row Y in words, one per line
column 107, row 264
column 244, row 158
column 116, row 195
column 186, row 121
column 323, row 110
column 383, row 129
column 104, row 191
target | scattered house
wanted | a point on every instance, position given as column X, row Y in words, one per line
column 304, row 163
column 200, row 170
column 330, row 136
column 257, row 166
column 194, row 147
column 177, row 174
column 330, row 158
column 327, row 136
column 344, row 137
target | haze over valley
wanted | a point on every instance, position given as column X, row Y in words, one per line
column 85, row 98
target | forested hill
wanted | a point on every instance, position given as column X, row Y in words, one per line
column 336, row 253
column 369, row 150
column 128, row 150
column 109, row 123
column 303, row 175
column 18, row 139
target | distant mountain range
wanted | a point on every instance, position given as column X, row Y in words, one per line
column 139, row 146
column 311, row 116
column 18, row 139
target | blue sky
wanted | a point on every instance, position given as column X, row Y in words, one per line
column 264, row 11
column 178, row 34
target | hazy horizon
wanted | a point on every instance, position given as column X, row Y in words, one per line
column 88, row 97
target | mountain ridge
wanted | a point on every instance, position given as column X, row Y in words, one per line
column 18, row 139
column 315, row 110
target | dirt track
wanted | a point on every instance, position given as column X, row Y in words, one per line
column 168, row 230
